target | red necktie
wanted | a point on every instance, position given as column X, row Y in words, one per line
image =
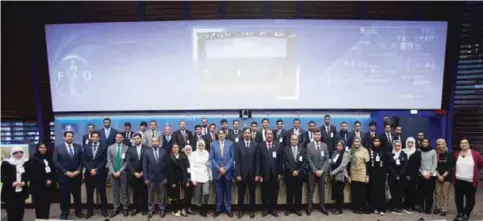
column 269, row 146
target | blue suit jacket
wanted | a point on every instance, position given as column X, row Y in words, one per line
column 63, row 162
column 110, row 138
column 218, row 161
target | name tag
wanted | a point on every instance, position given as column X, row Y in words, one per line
column 301, row 158
column 280, row 140
column 188, row 170
column 312, row 140
column 335, row 158
column 322, row 154
column 398, row 162
column 87, row 141
column 46, row 162
column 331, row 134
column 47, row 169
column 346, row 148
column 188, row 141
column 21, row 170
column 123, row 156
column 274, row 154
column 378, row 158
column 236, row 139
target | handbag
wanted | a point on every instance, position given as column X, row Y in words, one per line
column 388, row 192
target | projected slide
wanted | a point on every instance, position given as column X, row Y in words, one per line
column 246, row 64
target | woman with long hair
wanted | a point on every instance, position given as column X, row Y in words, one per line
column 15, row 183
column 41, row 168
column 443, row 181
column 338, row 172
column 176, row 176
column 429, row 163
column 466, row 178
column 201, row 176
column 412, row 174
column 377, row 174
column 359, row 175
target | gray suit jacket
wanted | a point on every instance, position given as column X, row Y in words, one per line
column 340, row 173
column 148, row 137
column 316, row 160
column 111, row 157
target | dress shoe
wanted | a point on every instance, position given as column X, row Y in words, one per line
column 357, row 211
column 298, row 213
column 443, row 213
column 162, row 213
column 230, row 214
column 203, row 213
column 114, row 213
column 144, row 213
column 436, row 211
column 134, row 212
column 104, row 213
column 252, row 214
column 125, row 213
column 338, row 212
column 150, row 215
column 309, row 212
column 240, row 214
column 89, row 215
column 216, row 214
column 324, row 211
column 274, row 213
column 80, row 215
column 64, row 217
column 287, row 212
column 264, row 213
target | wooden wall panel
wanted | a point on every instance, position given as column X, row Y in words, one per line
column 113, row 11
column 163, row 11
column 330, row 10
column 389, row 10
column 204, row 10
column 283, row 10
column 249, row 9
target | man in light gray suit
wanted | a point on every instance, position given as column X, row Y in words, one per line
column 318, row 161
column 116, row 162
column 155, row 160
column 152, row 132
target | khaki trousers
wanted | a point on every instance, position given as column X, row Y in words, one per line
column 442, row 195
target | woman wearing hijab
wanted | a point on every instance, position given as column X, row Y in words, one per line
column 338, row 172
column 443, row 181
column 14, row 184
column 429, row 163
column 359, row 176
column 397, row 168
column 201, row 176
column 412, row 174
column 377, row 172
column 41, row 174
column 188, row 187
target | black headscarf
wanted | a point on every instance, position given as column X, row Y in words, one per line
column 40, row 156
column 425, row 149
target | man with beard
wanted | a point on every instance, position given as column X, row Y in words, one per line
column 134, row 158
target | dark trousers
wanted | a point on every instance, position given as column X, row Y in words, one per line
column 426, row 191
column 67, row 187
column 188, row 194
column 338, row 194
column 294, row 191
column 139, row 194
column 397, row 188
column 464, row 190
column 270, row 187
column 223, row 194
column 15, row 207
column 242, row 187
column 97, row 182
column 320, row 182
column 410, row 193
column 42, row 200
column 359, row 198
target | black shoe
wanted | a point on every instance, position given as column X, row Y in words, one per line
column 421, row 209
column 80, row 215
column 324, row 211
column 64, row 217
column 240, row 214
column 114, row 213
column 298, row 213
column 357, row 211
column 134, row 212
column 264, row 213
column 203, row 214
column 144, row 213
column 230, row 214
column 427, row 211
column 150, row 215
column 308, row 212
column 104, row 213
column 339, row 212
column 252, row 214
column 125, row 213
column 274, row 213
column 216, row 214
column 89, row 215
column 436, row 211
column 443, row 213
column 162, row 213
column 287, row 212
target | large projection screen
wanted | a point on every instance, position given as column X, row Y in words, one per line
column 246, row 64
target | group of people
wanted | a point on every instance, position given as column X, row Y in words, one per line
column 385, row 171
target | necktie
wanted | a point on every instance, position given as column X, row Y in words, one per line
column 269, row 146
column 156, row 154
column 89, row 136
column 311, row 135
column 327, row 129
column 222, row 148
column 345, row 136
column 278, row 134
column 71, row 151
column 128, row 135
column 212, row 137
column 247, row 144
column 372, row 134
column 389, row 138
column 236, row 132
column 94, row 148
column 204, row 131
column 294, row 152
column 253, row 135
column 152, row 133
column 168, row 138
column 184, row 136
column 318, row 147
column 117, row 164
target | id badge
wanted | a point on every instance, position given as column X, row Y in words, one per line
column 123, row 156
column 346, row 148
column 236, row 139
column 188, row 142
column 331, row 134
column 322, row 153
column 47, row 169
column 87, row 141
column 46, row 162
column 301, row 158
column 398, row 162
column 378, row 158
column 274, row 154
column 280, row 140
column 188, row 170
column 21, row 170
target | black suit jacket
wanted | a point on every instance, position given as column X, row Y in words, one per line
column 402, row 138
column 269, row 165
column 195, row 140
column 368, row 139
column 280, row 138
column 208, row 139
column 290, row 132
column 134, row 162
column 385, row 142
column 247, row 160
column 232, row 135
column 258, row 136
column 327, row 138
column 290, row 164
column 84, row 139
column 168, row 145
column 127, row 139
column 97, row 162
column 352, row 135
column 178, row 138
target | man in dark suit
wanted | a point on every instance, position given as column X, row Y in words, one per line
column 168, row 139
column 95, row 173
column 198, row 136
column 294, row 167
column 309, row 136
column 182, row 136
column 297, row 131
column 356, row 133
column 108, row 134
column 211, row 136
column 68, row 160
column 280, row 133
column 419, row 139
column 387, row 137
column 134, row 158
column 270, row 173
column 127, row 134
column 371, row 134
column 222, row 154
column 318, row 163
column 328, row 133
column 343, row 133
column 204, row 126
column 235, row 134
column 155, row 160
column 399, row 136
column 87, row 137
column 264, row 129
column 224, row 127
column 247, row 169
column 255, row 134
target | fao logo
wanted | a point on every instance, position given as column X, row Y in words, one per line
column 73, row 76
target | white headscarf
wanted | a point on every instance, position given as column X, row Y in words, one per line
column 407, row 150
column 18, row 163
